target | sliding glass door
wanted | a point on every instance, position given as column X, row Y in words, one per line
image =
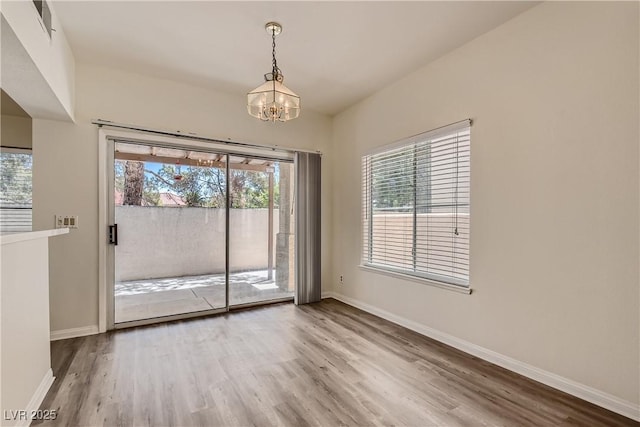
column 197, row 232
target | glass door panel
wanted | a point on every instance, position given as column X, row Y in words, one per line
column 170, row 210
column 261, row 224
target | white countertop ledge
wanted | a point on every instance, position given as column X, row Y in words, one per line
column 7, row 239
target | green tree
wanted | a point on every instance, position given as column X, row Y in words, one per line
column 150, row 192
column 402, row 179
column 392, row 180
column 15, row 182
column 204, row 186
column 133, row 183
column 197, row 186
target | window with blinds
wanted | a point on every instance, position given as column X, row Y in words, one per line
column 15, row 194
column 415, row 206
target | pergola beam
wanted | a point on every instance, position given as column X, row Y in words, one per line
column 189, row 162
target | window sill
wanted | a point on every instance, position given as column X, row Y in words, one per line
column 441, row 285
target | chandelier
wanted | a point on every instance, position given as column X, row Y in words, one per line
column 273, row 101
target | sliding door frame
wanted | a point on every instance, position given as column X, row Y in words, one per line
column 107, row 137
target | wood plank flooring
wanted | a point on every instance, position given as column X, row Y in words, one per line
column 323, row 364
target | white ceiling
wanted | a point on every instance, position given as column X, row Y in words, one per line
column 332, row 54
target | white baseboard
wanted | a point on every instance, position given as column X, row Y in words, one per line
column 64, row 334
column 597, row 397
column 38, row 397
column 327, row 294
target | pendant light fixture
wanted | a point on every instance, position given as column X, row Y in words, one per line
column 273, row 101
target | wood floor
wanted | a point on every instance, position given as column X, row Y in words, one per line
column 324, row 364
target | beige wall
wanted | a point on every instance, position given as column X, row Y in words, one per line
column 16, row 131
column 66, row 165
column 156, row 242
column 554, row 200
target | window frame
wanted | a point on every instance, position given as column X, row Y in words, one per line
column 433, row 279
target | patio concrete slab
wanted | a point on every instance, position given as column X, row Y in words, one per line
column 149, row 298
column 160, row 308
column 153, row 297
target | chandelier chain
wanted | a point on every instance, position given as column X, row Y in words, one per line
column 276, row 70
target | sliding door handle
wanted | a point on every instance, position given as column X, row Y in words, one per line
column 113, row 234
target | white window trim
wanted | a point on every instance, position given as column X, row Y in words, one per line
column 418, row 279
column 431, row 134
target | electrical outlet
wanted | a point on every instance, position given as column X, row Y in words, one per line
column 66, row 221
column 341, row 280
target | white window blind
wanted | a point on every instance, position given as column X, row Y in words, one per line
column 15, row 194
column 416, row 205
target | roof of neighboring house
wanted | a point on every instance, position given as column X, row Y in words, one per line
column 166, row 200
column 170, row 199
